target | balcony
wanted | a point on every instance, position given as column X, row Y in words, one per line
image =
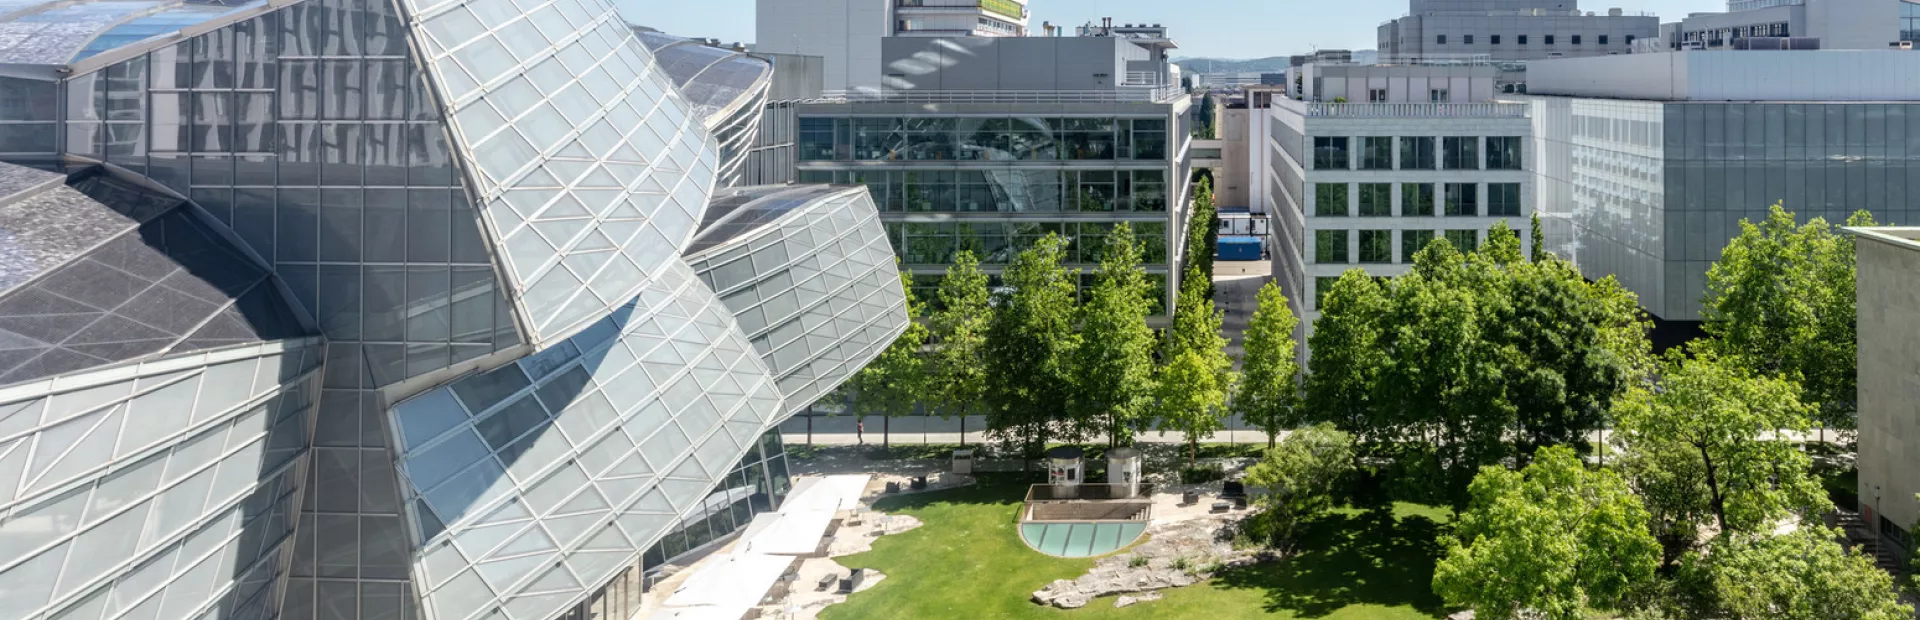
column 1314, row 109
column 1163, row 94
column 1003, row 8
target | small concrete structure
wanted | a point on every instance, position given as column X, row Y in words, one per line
column 1066, row 466
column 963, row 461
column 1123, row 470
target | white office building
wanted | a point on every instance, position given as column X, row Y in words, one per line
column 847, row 33
column 1511, row 30
column 1368, row 185
column 1829, row 24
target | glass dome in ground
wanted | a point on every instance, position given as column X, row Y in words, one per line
column 1080, row 540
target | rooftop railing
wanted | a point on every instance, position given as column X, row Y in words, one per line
column 1317, row 109
column 1162, row 94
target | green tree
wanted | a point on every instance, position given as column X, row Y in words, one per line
column 1202, row 237
column 1269, row 390
column 957, row 370
column 1347, row 359
column 1114, row 365
column 1554, row 539
column 1444, row 384
column 895, row 381
column 1191, row 397
column 1781, row 301
column 1728, row 421
column 1803, row 575
column 1030, row 346
column 1297, row 480
column 1539, row 239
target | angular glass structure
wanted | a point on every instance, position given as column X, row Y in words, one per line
column 345, row 309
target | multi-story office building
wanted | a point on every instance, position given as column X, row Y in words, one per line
column 1510, row 30
column 775, row 151
column 1889, row 326
column 355, row 310
column 1368, row 185
column 1225, row 154
column 1648, row 162
column 1003, row 140
column 847, row 33
column 1833, row 24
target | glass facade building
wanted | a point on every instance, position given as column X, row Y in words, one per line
column 1652, row 191
column 994, row 183
column 421, row 309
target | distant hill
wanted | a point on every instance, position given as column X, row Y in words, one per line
column 1273, row 64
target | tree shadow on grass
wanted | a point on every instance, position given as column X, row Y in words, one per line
column 1351, row 559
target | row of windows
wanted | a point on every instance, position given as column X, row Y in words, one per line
column 1005, row 191
column 926, row 289
column 1721, row 36
column 1494, row 39
column 996, row 243
column 1417, row 153
column 982, row 139
column 1416, row 200
column 1330, row 247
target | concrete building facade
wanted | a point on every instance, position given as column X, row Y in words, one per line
column 847, row 33
column 1510, row 30
column 1836, row 24
column 1648, row 162
column 1367, row 185
column 356, row 310
column 1889, row 452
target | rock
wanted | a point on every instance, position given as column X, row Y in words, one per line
column 1464, row 615
column 1130, row 599
column 1071, row 601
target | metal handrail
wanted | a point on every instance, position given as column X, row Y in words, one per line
column 1318, row 109
column 1159, row 94
column 1086, row 492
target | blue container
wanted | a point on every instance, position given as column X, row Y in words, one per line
column 1239, row 248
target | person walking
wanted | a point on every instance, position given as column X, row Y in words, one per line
column 860, row 431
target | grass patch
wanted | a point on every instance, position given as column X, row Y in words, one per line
column 967, row 562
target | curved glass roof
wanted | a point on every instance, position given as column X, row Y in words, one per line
column 58, row 33
column 738, row 211
column 711, row 78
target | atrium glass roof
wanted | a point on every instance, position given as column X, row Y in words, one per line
column 742, row 210
column 58, row 33
column 711, row 78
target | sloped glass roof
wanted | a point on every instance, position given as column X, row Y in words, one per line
column 742, row 210
column 58, row 33
column 102, row 270
column 711, row 78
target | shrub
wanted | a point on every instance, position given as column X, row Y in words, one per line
column 1202, row 474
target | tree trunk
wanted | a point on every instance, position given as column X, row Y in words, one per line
column 809, row 427
column 886, row 425
column 1271, row 434
column 963, row 429
column 1193, row 450
column 1713, row 485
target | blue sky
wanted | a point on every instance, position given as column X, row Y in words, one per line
column 1214, row 28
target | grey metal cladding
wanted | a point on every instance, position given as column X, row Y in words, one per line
column 92, row 283
column 162, row 489
column 530, row 484
column 811, row 278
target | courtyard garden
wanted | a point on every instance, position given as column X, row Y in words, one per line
column 967, row 561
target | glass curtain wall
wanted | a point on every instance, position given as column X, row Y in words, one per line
column 982, row 139
column 757, row 484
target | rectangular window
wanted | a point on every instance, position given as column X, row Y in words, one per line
column 1330, row 247
column 1376, row 95
column 1416, row 199
column 1603, row 39
column 1412, row 242
column 1466, row 39
column 1330, row 199
column 1576, row 39
column 1523, row 39
column 1549, row 40
column 1376, row 153
column 1503, row 199
column 1464, row 240
column 1463, row 200
column 1439, row 95
column 1462, row 153
column 1442, row 39
column 1416, row 153
column 1503, row 153
column 1376, row 246
column 1376, row 200
column 1630, row 39
column 1493, row 39
column 1330, row 154
column 1321, row 286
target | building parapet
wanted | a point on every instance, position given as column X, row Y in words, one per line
column 1315, row 109
column 1161, row 94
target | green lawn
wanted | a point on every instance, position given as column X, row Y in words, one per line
column 968, row 562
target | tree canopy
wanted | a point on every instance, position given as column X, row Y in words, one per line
column 957, row 370
column 1780, row 301
column 1297, row 479
column 1030, row 345
column 1803, row 575
column 1554, row 539
column 1190, row 396
column 1269, row 392
column 1114, row 362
